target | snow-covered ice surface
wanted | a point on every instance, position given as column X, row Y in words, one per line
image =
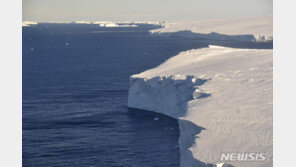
column 250, row 28
column 222, row 98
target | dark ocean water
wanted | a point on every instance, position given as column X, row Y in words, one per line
column 75, row 86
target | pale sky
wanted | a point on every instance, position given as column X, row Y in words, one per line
column 141, row 10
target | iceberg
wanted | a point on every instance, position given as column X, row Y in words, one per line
column 108, row 25
column 28, row 23
column 115, row 24
column 83, row 22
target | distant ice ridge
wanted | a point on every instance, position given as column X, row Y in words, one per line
column 115, row 25
column 257, row 29
column 28, row 23
column 100, row 23
column 121, row 24
column 222, row 98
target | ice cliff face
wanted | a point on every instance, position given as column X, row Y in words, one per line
column 168, row 95
column 213, row 36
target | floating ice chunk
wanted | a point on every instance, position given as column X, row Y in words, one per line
column 156, row 119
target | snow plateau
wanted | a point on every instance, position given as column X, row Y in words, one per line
column 222, row 98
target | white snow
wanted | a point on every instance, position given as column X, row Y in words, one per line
column 258, row 27
column 108, row 25
column 222, row 98
column 83, row 22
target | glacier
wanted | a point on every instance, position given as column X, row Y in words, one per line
column 222, row 98
column 256, row 29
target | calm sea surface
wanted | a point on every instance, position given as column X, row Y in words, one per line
column 75, row 85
